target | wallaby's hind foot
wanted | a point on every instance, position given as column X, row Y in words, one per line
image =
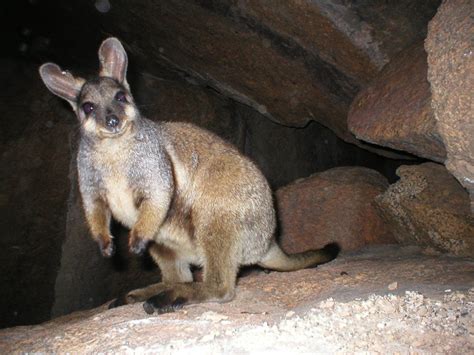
column 164, row 302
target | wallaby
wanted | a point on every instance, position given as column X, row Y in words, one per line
column 186, row 195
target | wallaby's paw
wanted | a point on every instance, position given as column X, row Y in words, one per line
column 128, row 298
column 164, row 302
column 136, row 245
column 107, row 247
column 135, row 296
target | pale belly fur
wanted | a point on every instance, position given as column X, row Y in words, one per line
column 121, row 202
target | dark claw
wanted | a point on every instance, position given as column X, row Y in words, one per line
column 138, row 246
column 107, row 250
column 163, row 302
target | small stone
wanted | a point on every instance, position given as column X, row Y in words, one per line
column 209, row 337
column 213, row 316
column 422, row 311
column 393, row 286
column 418, row 342
column 329, row 303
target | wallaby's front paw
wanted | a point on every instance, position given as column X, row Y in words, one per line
column 136, row 244
column 107, row 247
column 164, row 302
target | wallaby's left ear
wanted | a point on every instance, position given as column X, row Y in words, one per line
column 113, row 60
column 61, row 83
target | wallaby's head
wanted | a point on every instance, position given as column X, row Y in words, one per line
column 104, row 104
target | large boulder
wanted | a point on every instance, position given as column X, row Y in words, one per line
column 428, row 207
column 332, row 206
column 293, row 61
column 451, row 75
column 395, row 109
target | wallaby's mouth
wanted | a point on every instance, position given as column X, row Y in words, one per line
column 114, row 127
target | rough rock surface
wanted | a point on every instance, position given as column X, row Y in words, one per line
column 34, row 186
column 272, row 56
column 422, row 303
column 451, row 74
column 332, row 206
column 428, row 207
column 395, row 109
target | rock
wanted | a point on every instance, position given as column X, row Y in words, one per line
column 451, row 75
column 393, row 286
column 395, row 109
column 332, row 206
column 428, row 207
column 274, row 58
column 33, row 192
column 263, row 300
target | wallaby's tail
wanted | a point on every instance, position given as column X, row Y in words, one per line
column 277, row 259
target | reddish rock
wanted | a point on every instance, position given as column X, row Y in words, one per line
column 451, row 75
column 428, row 207
column 333, row 206
column 395, row 109
column 293, row 61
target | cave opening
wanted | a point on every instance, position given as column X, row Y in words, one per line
column 338, row 104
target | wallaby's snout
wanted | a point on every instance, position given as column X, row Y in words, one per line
column 112, row 121
column 106, row 108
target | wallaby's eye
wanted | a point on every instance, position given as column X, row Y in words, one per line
column 120, row 96
column 87, row 107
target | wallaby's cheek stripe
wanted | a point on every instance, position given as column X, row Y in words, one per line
column 89, row 125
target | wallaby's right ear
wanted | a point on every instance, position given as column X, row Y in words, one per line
column 61, row 83
column 113, row 60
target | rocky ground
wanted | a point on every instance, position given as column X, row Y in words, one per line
column 385, row 299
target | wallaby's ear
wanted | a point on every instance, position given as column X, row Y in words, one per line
column 61, row 83
column 113, row 60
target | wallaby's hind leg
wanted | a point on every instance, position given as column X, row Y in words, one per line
column 172, row 270
column 220, row 272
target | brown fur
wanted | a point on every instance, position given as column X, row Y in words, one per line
column 184, row 192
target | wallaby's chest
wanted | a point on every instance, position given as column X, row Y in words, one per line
column 120, row 199
column 116, row 186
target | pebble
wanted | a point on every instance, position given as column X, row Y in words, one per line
column 393, row 286
column 213, row 316
column 329, row 303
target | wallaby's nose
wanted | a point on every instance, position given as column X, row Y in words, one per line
column 112, row 121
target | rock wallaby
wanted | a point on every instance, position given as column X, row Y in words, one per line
column 186, row 195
